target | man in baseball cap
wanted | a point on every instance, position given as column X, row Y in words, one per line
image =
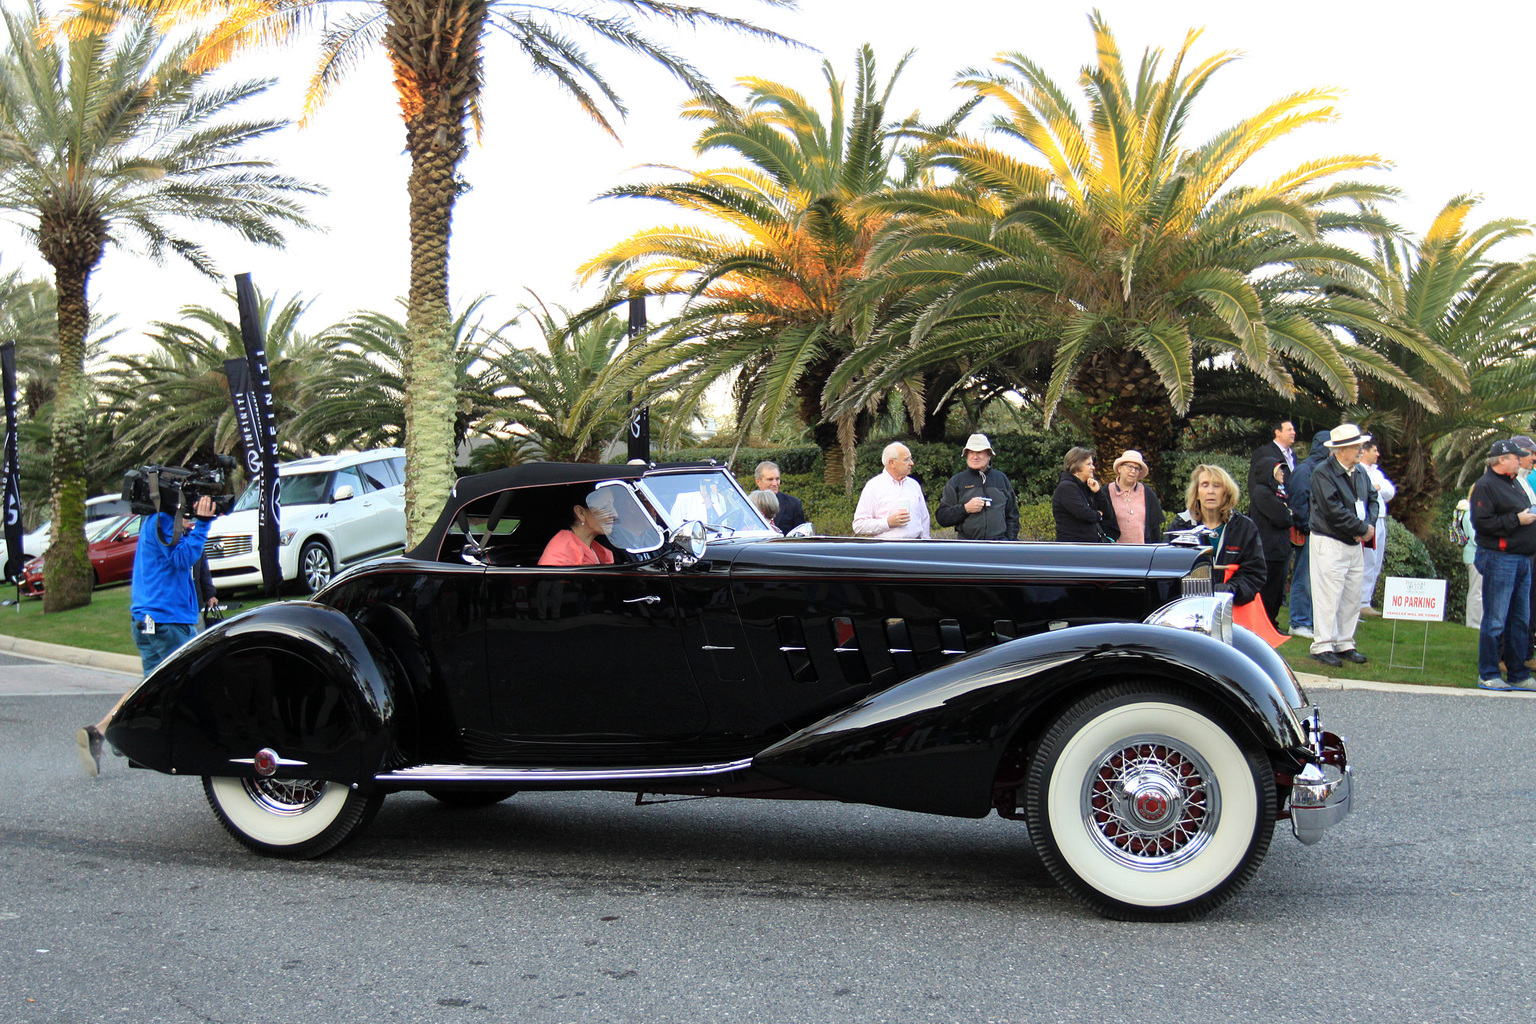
column 979, row 501
column 1505, row 535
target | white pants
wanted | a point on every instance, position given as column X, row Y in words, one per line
column 1337, row 570
column 1474, row 597
column 1373, row 559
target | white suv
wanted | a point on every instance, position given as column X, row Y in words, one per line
column 336, row 510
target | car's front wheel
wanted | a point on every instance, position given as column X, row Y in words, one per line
column 1148, row 805
column 296, row 818
column 316, row 567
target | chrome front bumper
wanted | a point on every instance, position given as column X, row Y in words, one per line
column 1322, row 793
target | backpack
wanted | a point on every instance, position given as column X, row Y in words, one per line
column 1459, row 532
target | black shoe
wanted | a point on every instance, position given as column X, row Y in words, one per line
column 1354, row 656
column 1328, row 658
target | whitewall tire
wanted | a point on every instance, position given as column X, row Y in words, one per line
column 295, row 818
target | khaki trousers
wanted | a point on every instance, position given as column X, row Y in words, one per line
column 1338, row 570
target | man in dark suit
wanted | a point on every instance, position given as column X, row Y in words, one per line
column 1267, row 508
column 791, row 513
column 1281, row 447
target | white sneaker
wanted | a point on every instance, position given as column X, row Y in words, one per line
column 1494, row 683
column 1301, row 631
column 1528, row 684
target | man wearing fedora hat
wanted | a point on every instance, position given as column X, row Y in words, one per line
column 1504, row 528
column 979, row 501
column 1343, row 511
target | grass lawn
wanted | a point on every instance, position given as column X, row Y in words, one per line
column 1450, row 659
column 102, row 625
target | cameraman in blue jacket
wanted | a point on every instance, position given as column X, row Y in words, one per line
column 165, row 604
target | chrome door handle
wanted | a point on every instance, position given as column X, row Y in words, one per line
column 647, row 599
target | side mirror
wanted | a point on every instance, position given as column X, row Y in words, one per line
column 343, row 493
column 803, row 530
column 688, row 540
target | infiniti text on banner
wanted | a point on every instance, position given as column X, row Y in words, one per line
column 263, row 421
column 14, row 556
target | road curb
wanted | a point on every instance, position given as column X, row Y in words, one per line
column 1315, row 682
column 125, row 663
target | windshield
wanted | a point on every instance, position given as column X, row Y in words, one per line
column 294, row 489
column 710, row 498
column 624, row 520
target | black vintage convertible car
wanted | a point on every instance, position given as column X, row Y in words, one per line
column 1100, row 694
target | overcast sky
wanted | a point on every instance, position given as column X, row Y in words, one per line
column 1441, row 93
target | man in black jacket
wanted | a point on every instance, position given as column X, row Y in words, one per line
column 791, row 513
column 1298, row 496
column 1342, row 514
column 1272, row 516
column 1505, row 528
column 979, row 501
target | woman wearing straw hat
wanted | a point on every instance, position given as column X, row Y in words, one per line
column 1137, row 508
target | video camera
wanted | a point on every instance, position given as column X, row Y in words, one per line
column 178, row 487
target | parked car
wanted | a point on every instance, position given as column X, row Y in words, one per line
column 110, row 545
column 335, row 511
column 1098, row 693
column 103, row 506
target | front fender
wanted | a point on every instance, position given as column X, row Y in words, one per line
column 299, row 678
column 934, row 743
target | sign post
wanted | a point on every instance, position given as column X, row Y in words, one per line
column 1415, row 600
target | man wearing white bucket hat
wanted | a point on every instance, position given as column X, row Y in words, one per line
column 1342, row 516
column 979, row 501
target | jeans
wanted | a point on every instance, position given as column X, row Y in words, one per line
column 1301, row 588
column 156, row 647
column 1506, row 629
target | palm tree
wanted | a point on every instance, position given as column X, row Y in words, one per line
column 1483, row 311
column 566, row 403
column 176, row 395
column 1124, row 257
column 764, row 291
column 360, row 401
column 435, row 52
column 102, row 140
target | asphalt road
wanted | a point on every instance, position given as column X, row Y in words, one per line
column 123, row 901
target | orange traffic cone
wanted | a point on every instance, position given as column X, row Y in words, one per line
column 1252, row 616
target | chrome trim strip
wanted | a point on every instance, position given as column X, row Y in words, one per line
column 786, row 650
column 430, row 773
column 282, row 762
column 712, row 647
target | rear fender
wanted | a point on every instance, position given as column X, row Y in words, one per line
column 298, row 678
column 934, row 743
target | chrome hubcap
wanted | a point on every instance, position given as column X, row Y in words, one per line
column 1150, row 803
column 317, row 569
column 285, row 797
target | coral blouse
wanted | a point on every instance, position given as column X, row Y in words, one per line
column 1131, row 511
column 565, row 548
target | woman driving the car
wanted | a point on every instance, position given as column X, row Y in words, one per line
column 575, row 545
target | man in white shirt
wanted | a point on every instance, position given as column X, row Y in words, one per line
column 1370, row 455
column 891, row 505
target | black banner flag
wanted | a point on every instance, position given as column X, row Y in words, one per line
column 640, row 426
column 250, row 385
column 10, row 510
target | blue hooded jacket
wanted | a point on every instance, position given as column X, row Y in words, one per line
column 1298, row 494
column 162, row 574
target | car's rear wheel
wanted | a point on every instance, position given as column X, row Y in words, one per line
column 316, row 566
column 1148, row 805
column 296, row 818
column 470, row 797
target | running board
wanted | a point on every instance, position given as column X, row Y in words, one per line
column 433, row 774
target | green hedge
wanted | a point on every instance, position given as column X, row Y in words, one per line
column 801, row 459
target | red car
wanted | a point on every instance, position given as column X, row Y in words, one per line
column 112, row 544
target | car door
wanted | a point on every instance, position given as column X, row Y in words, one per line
column 384, row 505
column 112, row 557
column 347, row 521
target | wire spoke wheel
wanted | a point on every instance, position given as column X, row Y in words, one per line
column 296, row 818
column 1147, row 805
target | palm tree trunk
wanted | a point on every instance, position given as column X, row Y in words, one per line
column 435, row 51
column 1129, row 408
column 67, row 576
